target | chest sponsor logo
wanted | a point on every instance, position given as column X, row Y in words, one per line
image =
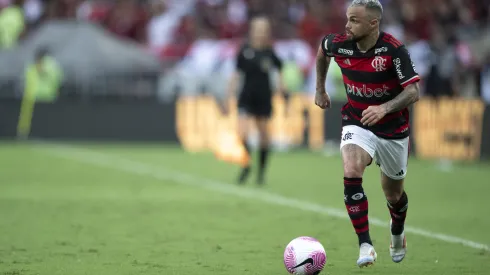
column 364, row 91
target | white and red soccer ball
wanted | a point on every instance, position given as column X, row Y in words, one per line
column 305, row 256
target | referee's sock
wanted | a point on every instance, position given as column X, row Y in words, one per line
column 247, row 147
column 264, row 154
column 246, row 169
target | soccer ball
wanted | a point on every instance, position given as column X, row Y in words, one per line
column 305, row 256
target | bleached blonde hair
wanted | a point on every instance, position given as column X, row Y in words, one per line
column 371, row 5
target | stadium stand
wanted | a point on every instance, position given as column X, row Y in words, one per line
column 448, row 40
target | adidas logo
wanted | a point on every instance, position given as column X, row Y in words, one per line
column 400, row 173
column 347, row 61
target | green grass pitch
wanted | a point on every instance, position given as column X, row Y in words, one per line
column 154, row 209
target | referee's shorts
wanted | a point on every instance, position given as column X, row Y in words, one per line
column 256, row 106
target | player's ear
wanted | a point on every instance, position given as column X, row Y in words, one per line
column 374, row 22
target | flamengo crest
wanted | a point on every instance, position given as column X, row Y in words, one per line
column 379, row 64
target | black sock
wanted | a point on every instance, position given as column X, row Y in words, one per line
column 247, row 147
column 244, row 173
column 398, row 212
column 264, row 153
column 356, row 204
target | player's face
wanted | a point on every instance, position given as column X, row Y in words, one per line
column 260, row 31
column 359, row 23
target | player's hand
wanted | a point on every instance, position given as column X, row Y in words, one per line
column 322, row 99
column 372, row 115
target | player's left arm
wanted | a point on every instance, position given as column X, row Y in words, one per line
column 408, row 79
column 409, row 96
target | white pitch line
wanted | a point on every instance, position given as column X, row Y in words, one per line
column 139, row 168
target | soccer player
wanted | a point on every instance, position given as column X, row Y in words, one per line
column 255, row 60
column 381, row 84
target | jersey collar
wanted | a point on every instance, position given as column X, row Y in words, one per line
column 369, row 52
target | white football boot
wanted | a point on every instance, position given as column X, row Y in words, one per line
column 367, row 255
column 398, row 246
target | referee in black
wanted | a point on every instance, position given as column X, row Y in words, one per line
column 255, row 61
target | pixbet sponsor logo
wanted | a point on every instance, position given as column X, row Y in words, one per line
column 364, row 91
column 398, row 68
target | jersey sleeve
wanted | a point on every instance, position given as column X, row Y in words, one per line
column 327, row 45
column 404, row 68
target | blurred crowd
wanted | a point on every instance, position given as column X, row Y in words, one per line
column 446, row 38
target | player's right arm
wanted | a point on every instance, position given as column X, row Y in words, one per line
column 324, row 53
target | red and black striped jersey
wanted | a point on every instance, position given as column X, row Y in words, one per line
column 373, row 78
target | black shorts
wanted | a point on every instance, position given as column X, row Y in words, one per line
column 257, row 107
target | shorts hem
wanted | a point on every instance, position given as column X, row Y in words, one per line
column 244, row 111
column 362, row 146
column 392, row 177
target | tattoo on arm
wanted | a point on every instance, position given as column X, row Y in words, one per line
column 409, row 96
column 322, row 64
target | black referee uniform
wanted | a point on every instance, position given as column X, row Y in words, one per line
column 255, row 98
